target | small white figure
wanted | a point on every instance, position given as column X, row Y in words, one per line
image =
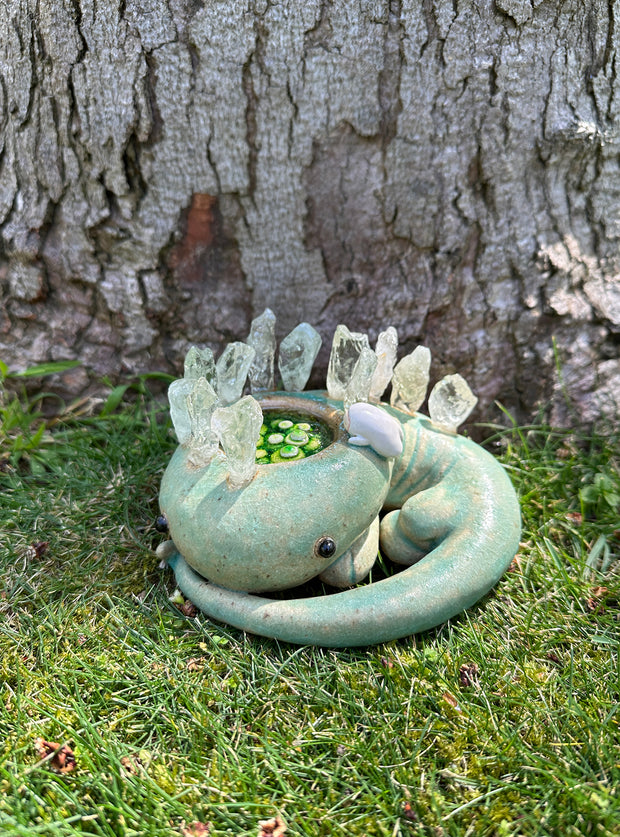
column 370, row 425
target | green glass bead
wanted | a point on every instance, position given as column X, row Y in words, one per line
column 288, row 451
column 297, row 437
column 277, row 456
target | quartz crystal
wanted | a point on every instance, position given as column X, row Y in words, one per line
column 410, row 380
column 199, row 363
column 262, row 339
column 358, row 387
column 232, row 370
column 387, row 345
column 178, row 392
column 238, row 429
column 298, row 352
column 451, row 401
column 201, row 402
column 346, row 349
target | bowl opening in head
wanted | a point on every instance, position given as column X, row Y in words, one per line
column 295, row 428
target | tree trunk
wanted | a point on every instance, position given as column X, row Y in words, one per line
column 169, row 168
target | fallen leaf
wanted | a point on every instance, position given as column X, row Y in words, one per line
column 195, row 664
column 60, row 757
column 468, row 675
column 188, row 609
column 409, row 813
column 575, row 517
column 595, row 603
column 566, row 450
column 274, row 827
column 553, row 658
column 451, row 700
column 37, row 550
column 196, row 829
column 132, row 764
column 515, row 564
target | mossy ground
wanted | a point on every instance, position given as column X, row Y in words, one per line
column 505, row 721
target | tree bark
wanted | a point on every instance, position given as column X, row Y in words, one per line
column 169, row 168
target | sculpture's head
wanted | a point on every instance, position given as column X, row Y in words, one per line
column 290, row 522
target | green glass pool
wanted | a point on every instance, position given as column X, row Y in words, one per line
column 287, row 436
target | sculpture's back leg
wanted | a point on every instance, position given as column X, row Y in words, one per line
column 425, row 519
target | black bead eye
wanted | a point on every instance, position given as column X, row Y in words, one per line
column 161, row 524
column 325, row 547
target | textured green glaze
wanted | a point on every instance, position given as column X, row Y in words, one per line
column 454, row 508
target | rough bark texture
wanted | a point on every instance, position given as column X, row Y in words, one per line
column 168, row 168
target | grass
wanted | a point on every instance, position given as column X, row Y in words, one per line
column 504, row 721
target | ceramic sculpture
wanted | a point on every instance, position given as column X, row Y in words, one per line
column 276, row 488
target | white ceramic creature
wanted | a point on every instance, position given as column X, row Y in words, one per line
column 370, row 425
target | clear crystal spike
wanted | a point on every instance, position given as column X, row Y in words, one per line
column 410, row 380
column 238, row 429
column 262, row 339
column 346, row 349
column 298, row 351
column 451, row 401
